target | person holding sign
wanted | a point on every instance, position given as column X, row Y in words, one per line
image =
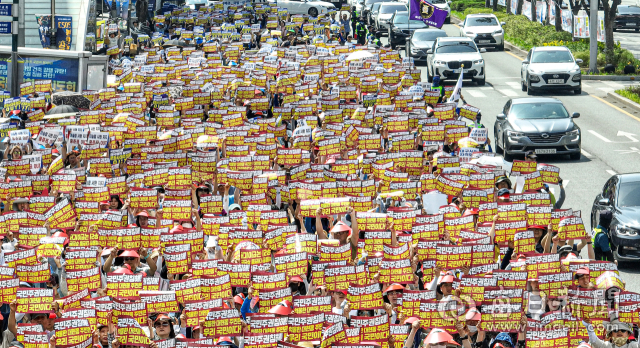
column 130, row 259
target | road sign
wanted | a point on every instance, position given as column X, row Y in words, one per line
column 5, row 9
column 5, row 27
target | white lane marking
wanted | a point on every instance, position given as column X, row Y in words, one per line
column 515, row 85
column 508, row 92
column 599, row 136
column 611, row 172
column 632, row 150
column 613, row 84
column 586, row 85
column 477, row 94
column 585, row 153
column 607, row 90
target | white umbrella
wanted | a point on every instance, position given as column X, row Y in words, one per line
column 359, row 55
column 497, row 161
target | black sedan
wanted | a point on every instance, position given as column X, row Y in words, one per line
column 400, row 28
column 621, row 195
column 627, row 17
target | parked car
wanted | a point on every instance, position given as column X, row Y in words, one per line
column 627, row 17
column 361, row 6
column 540, row 124
column 400, row 28
column 452, row 56
column 621, row 195
column 422, row 41
column 484, row 29
column 311, row 7
column 550, row 67
column 387, row 9
column 366, row 9
column 373, row 12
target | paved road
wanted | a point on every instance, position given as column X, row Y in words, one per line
column 604, row 152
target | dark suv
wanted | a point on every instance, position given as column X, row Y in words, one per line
column 400, row 28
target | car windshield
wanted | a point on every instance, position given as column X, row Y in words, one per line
column 403, row 18
column 629, row 195
column 369, row 2
column 538, row 111
column 481, row 21
column 456, row 47
column 629, row 10
column 429, row 35
column 563, row 56
column 392, row 8
column 439, row 1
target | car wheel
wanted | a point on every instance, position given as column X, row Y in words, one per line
column 524, row 86
column 575, row 156
column 480, row 82
column 577, row 91
column 313, row 12
column 614, row 29
column 507, row 156
column 447, row 20
column 529, row 90
column 637, row 30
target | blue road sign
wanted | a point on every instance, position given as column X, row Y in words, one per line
column 5, row 27
column 5, row 9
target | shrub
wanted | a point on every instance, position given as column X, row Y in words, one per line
column 584, row 55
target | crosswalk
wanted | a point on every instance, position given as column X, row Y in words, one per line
column 514, row 89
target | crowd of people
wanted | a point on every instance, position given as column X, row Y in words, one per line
column 276, row 182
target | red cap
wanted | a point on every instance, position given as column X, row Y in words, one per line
column 224, row 339
column 340, row 227
column 143, row 213
column 15, row 112
column 162, row 316
column 104, row 203
column 411, row 320
column 473, row 314
column 447, row 278
column 582, row 271
column 124, row 269
column 394, row 287
column 129, row 253
column 538, row 226
column 239, row 298
column 296, row 279
column 471, row 211
column 283, row 308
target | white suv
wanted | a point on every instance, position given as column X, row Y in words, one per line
column 484, row 29
column 450, row 56
column 550, row 67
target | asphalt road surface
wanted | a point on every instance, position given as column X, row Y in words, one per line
column 610, row 132
column 629, row 39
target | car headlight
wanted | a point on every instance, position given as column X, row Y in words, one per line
column 534, row 78
column 439, row 62
column 499, row 31
column 625, row 231
column 415, row 50
column 574, row 135
column 384, row 20
column 469, row 33
column 478, row 61
column 514, row 136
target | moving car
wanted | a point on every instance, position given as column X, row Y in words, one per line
column 387, row 9
column 400, row 28
column 450, row 54
column 550, row 67
column 484, row 29
column 310, row 7
column 621, row 195
column 372, row 13
column 422, row 41
column 362, row 6
column 540, row 124
column 443, row 5
column 627, row 17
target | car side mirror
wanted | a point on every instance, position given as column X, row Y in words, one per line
column 578, row 61
column 525, row 62
column 604, row 201
column 501, row 117
column 503, row 24
column 575, row 115
column 483, row 50
column 449, row 3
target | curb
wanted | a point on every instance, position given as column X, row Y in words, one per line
column 520, row 52
column 611, row 78
column 626, row 101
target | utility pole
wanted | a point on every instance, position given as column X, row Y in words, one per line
column 593, row 36
column 13, row 30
